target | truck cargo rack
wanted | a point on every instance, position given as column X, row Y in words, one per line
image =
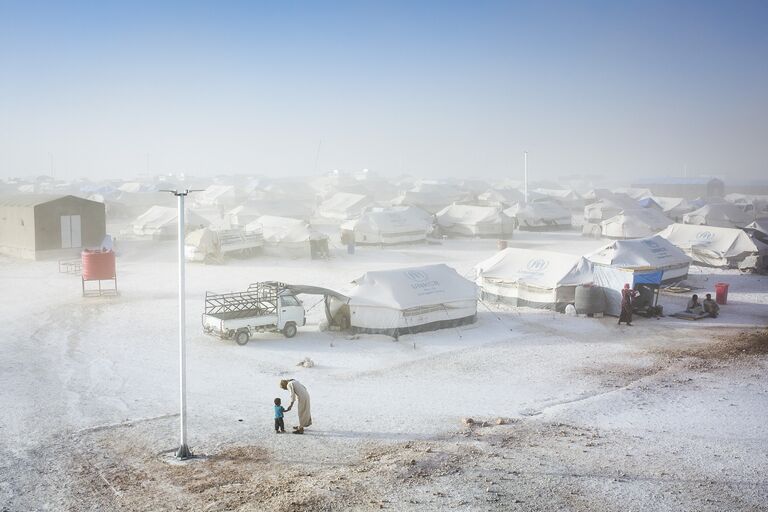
column 258, row 300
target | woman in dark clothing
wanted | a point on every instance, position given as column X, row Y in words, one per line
column 627, row 294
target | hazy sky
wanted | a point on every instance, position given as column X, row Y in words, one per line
column 431, row 88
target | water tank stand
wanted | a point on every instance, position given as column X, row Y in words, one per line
column 100, row 290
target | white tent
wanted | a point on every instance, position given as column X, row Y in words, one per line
column 412, row 299
column 430, row 196
column 721, row 215
column 501, row 197
column 389, row 226
column 649, row 261
column 540, row 216
column 565, row 197
column 161, row 222
column 637, row 223
column 608, row 207
column 534, row 278
column 713, row 246
column 468, row 220
column 216, row 195
column 673, row 207
column 343, row 206
column 289, row 237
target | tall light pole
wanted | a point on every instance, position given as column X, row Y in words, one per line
column 183, row 452
column 525, row 170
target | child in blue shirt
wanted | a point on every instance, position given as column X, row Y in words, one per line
column 279, row 411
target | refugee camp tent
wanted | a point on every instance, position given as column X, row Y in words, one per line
column 161, row 222
column 505, row 197
column 673, row 207
column 756, row 205
column 533, row 278
column 409, row 300
column 540, row 216
column 637, row 223
column 288, row 237
column 566, row 197
column 633, row 192
column 430, row 196
column 480, row 221
column 604, row 209
column 651, row 262
column 218, row 196
column 713, row 246
column 249, row 211
column 721, row 215
column 388, row 226
column 343, row 206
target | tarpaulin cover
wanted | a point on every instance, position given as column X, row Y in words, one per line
column 712, row 246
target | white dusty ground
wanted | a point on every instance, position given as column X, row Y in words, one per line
column 667, row 414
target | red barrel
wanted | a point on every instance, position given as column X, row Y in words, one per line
column 98, row 265
column 721, row 293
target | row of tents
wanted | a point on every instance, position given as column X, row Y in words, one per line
column 436, row 296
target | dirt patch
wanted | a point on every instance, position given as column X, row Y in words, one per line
column 724, row 348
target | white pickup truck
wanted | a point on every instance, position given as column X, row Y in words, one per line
column 263, row 307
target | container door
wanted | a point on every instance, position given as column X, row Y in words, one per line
column 66, row 232
column 77, row 238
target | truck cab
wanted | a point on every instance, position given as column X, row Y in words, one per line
column 290, row 315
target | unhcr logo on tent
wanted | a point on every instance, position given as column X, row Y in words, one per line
column 416, row 275
column 705, row 236
column 537, row 265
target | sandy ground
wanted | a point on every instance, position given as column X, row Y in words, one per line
column 568, row 413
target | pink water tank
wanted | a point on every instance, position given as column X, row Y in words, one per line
column 98, row 265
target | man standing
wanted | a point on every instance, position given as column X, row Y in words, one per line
column 298, row 393
column 627, row 294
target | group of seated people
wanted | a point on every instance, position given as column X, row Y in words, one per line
column 708, row 306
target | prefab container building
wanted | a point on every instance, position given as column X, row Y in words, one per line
column 36, row 226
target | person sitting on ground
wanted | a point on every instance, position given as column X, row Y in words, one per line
column 694, row 306
column 279, row 422
column 710, row 306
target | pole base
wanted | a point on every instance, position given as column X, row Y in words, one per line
column 184, row 452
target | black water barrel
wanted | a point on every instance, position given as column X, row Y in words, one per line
column 590, row 299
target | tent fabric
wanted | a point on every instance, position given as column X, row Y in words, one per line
column 201, row 243
column 410, row 299
column 501, row 197
column 526, row 277
column 468, row 220
column 609, row 207
column 162, row 221
column 565, row 197
column 613, row 279
column 390, row 226
column 722, row 215
column 637, row 223
column 628, row 258
column 712, row 246
column 540, row 216
column 283, row 229
column 216, row 195
column 343, row 206
column 674, row 207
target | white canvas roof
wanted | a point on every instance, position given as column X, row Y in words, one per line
column 544, row 213
column 394, row 220
column 608, row 207
column 711, row 245
column 283, row 229
column 652, row 253
column 637, row 223
column 468, row 214
column 543, row 269
column 164, row 217
column 344, row 205
column 760, row 225
column 215, row 194
column 501, row 196
column 407, row 288
column 723, row 215
column 673, row 205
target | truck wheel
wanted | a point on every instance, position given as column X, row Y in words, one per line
column 241, row 338
column 289, row 330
